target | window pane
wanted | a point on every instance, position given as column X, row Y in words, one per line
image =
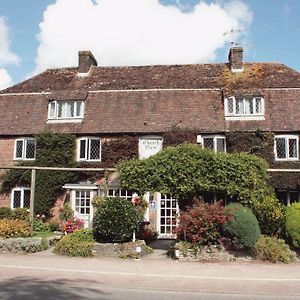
column 82, row 149
column 17, row 199
column 249, row 106
column 19, row 149
column 258, row 106
column 280, row 148
column 79, row 107
column 239, row 106
column 94, row 149
column 30, row 149
column 208, row 143
column 293, row 148
column 26, row 201
column 52, row 109
column 220, row 145
column 65, row 109
column 230, row 106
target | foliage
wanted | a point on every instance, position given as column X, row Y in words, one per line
column 24, row 245
column 188, row 169
column 72, row 225
column 52, row 150
column 116, row 220
column 292, row 225
column 146, row 233
column 54, row 225
column 244, row 226
column 66, row 212
column 79, row 243
column 5, row 212
column 97, row 201
column 13, row 228
column 272, row 249
column 21, row 213
column 140, row 203
column 39, row 225
column 202, row 223
column 270, row 214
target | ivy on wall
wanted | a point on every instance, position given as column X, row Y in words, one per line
column 52, row 150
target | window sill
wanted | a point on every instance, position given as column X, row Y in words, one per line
column 245, row 118
column 286, row 159
column 70, row 120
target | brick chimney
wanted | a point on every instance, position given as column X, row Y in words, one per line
column 85, row 61
column 235, row 58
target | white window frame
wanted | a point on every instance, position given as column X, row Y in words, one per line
column 287, row 138
column 87, row 149
column 20, row 189
column 54, row 115
column 24, row 147
column 233, row 115
column 215, row 137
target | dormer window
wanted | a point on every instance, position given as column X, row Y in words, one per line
column 65, row 110
column 244, row 107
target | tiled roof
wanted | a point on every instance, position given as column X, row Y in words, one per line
column 255, row 75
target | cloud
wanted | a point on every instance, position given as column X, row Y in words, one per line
column 135, row 32
column 5, row 79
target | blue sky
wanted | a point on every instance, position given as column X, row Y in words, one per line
column 34, row 36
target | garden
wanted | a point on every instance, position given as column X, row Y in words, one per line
column 249, row 219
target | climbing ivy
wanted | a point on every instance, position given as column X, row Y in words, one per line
column 187, row 170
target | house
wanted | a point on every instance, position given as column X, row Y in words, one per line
column 125, row 112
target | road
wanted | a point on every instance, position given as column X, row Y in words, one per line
column 47, row 276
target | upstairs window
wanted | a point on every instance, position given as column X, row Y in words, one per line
column 89, row 149
column 20, row 197
column 244, row 107
column 65, row 109
column 217, row 143
column 25, row 149
column 149, row 146
column 286, row 147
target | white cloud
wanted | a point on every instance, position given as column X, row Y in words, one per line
column 135, row 32
column 5, row 79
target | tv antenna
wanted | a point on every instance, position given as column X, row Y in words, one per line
column 232, row 33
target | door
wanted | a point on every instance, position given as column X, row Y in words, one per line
column 167, row 211
column 82, row 206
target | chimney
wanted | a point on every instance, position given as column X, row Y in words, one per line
column 235, row 58
column 85, row 61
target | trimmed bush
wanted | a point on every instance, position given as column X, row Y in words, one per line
column 292, row 225
column 21, row 214
column 243, row 228
column 5, row 213
column 272, row 249
column 270, row 214
column 13, row 228
column 115, row 220
column 202, row 223
column 39, row 225
column 78, row 243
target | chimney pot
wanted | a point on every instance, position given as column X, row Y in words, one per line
column 85, row 61
column 235, row 58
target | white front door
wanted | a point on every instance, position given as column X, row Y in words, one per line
column 82, row 206
column 167, row 210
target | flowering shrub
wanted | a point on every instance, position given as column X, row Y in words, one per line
column 139, row 203
column 13, row 228
column 73, row 225
column 202, row 223
column 65, row 212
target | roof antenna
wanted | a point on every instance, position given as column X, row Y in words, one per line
column 232, row 33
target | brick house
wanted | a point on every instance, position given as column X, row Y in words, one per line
column 124, row 112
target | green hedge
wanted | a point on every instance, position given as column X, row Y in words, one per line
column 292, row 225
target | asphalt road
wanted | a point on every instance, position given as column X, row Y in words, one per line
column 47, row 276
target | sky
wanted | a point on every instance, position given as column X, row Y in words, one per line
column 40, row 34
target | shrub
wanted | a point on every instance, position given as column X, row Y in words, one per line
column 272, row 249
column 39, row 225
column 244, row 226
column 203, row 223
column 79, row 243
column 5, row 213
column 270, row 215
column 115, row 220
column 73, row 225
column 13, row 228
column 21, row 214
column 292, row 225
column 54, row 225
column 66, row 212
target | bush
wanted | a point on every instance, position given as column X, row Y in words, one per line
column 115, row 220
column 13, row 228
column 272, row 249
column 5, row 213
column 292, row 225
column 21, row 214
column 244, row 226
column 203, row 223
column 79, row 243
column 39, row 225
column 270, row 215
column 54, row 226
